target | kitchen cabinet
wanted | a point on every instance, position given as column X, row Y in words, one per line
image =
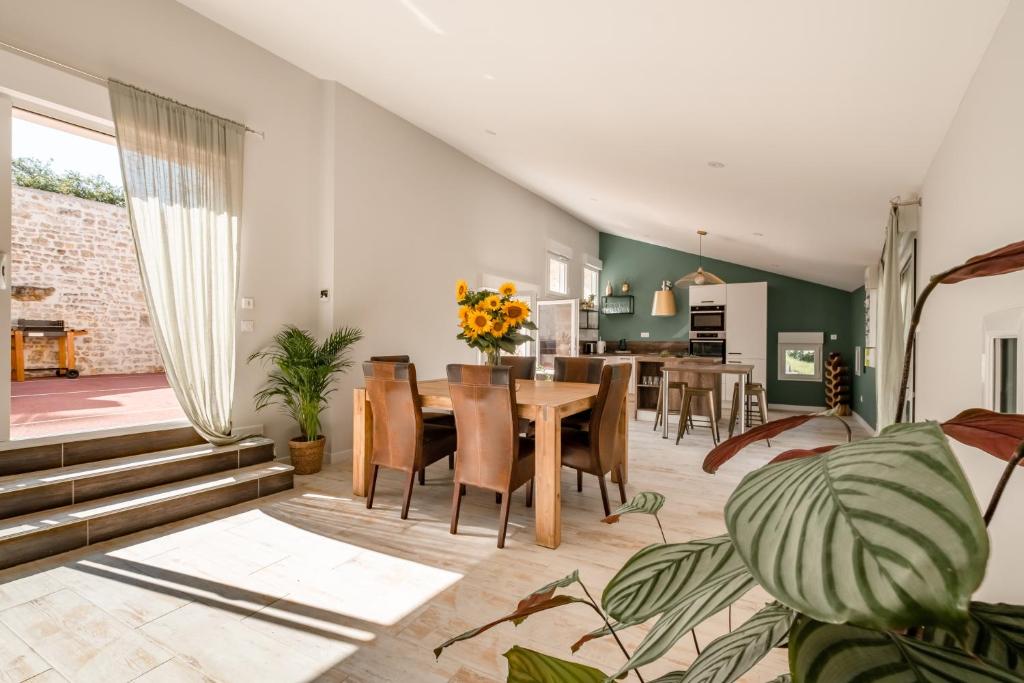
column 746, row 320
column 708, row 295
column 631, row 395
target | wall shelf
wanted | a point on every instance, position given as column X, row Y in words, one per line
column 617, row 305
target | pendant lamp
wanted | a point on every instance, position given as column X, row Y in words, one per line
column 700, row 276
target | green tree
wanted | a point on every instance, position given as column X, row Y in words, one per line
column 39, row 175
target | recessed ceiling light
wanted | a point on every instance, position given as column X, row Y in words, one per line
column 758, row 234
column 716, row 164
column 593, row 199
column 489, row 131
column 488, row 77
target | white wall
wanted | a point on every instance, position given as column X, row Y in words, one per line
column 162, row 46
column 413, row 215
column 341, row 194
column 974, row 202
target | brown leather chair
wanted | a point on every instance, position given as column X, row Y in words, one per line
column 520, row 367
column 598, row 450
column 389, row 359
column 578, row 369
column 402, row 440
column 438, row 417
column 492, row 455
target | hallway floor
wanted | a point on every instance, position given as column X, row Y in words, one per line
column 55, row 405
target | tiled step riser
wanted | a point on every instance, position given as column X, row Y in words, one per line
column 50, row 456
column 45, row 543
column 59, row 494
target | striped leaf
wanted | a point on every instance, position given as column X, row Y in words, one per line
column 671, row 677
column 597, row 633
column 713, row 595
column 530, row 666
column 662, row 576
column 883, row 533
column 784, row 678
column 730, row 656
column 840, row 653
column 995, row 632
column 647, row 503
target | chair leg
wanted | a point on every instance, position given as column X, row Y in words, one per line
column 604, row 495
column 373, row 487
column 408, row 494
column 529, row 494
column 579, row 480
column 423, row 476
column 684, row 416
column 497, row 498
column 714, row 417
column 506, row 501
column 451, row 461
column 462, row 489
column 657, row 410
column 622, row 487
column 735, row 409
column 457, row 491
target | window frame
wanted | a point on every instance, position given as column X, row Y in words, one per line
column 590, row 272
column 563, row 263
column 801, row 341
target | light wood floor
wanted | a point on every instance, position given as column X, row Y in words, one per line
column 310, row 585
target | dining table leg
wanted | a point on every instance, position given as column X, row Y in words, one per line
column 547, row 492
column 362, row 442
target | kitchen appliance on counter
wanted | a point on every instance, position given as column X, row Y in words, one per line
column 588, row 348
column 707, row 318
column 623, row 346
column 708, row 345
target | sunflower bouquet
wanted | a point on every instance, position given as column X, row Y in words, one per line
column 492, row 321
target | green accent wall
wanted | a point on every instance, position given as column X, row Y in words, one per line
column 864, row 402
column 793, row 306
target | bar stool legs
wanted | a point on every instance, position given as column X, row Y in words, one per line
column 753, row 391
column 686, row 417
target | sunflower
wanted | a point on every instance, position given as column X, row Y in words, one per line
column 516, row 312
column 461, row 290
column 499, row 328
column 507, row 289
column 479, row 322
column 464, row 312
column 492, row 302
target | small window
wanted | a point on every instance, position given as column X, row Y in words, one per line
column 558, row 274
column 800, row 356
column 591, row 283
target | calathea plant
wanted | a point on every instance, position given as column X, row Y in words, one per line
column 871, row 549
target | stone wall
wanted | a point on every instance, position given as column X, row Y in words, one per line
column 74, row 259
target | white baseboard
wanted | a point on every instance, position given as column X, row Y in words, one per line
column 795, row 409
column 864, row 423
column 339, row 456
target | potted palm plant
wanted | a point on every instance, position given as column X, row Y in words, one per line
column 300, row 381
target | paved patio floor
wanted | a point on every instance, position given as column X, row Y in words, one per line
column 49, row 406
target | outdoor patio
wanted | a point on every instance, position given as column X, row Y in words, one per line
column 50, row 406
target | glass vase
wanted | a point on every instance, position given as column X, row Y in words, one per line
column 492, row 357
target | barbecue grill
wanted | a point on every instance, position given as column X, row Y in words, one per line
column 57, row 330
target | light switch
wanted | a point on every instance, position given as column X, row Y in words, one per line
column 833, row 337
column 248, row 303
column 645, row 335
column 248, row 326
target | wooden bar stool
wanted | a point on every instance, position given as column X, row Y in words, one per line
column 679, row 386
column 686, row 417
column 754, row 390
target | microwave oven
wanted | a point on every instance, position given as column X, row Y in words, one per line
column 707, row 318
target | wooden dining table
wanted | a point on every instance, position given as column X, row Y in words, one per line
column 741, row 370
column 543, row 402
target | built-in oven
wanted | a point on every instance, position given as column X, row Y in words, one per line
column 708, row 345
column 707, row 318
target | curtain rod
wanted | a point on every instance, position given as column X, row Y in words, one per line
column 895, row 201
column 104, row 81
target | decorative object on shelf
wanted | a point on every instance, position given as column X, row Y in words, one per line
column 625, row 287
column 664, row 301
column 837, row 384
column 700, row 276
column 590, row 303
column 608, row 288
column 617, row 305
column 300, row 382
column 491, row 321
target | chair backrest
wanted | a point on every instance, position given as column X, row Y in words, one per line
column 520, row 367
column 484, row 402
column 605, row 440
column 397, row 415
column 578, row 369
column 389, row 359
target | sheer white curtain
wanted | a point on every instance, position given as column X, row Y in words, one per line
column 183, row 177
column 894, row 308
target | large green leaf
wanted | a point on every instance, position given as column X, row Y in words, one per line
column 995, row 632
column 700, row 603
column 646, row 503
column 883, row 533
column 730, row 656
column 840, row 653
column 530, row 666
column 660, row 577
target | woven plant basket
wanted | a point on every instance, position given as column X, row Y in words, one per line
column 307, row 456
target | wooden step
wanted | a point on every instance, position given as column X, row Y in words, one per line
column 41, row 534
column 48, row 453
column 21, row 494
